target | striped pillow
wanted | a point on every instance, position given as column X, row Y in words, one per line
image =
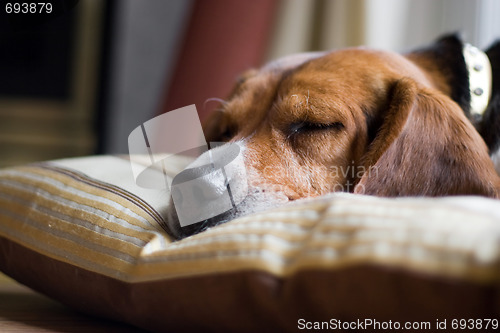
column 82, row 232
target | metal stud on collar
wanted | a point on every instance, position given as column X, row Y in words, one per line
column 479, row 68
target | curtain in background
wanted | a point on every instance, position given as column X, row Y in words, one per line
column 396, row 25
column 217, row 39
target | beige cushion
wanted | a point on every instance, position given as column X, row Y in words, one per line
column 82, row 232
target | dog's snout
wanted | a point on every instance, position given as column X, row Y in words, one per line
column 212, row 185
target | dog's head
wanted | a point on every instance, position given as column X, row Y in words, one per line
column 353, row 120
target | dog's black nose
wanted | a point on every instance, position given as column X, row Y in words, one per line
column 207, row 190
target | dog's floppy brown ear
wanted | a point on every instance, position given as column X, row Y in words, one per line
column 426, row 146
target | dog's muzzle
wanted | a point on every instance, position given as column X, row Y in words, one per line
column 208, row 190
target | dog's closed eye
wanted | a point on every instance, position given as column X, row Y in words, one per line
column 308, row 127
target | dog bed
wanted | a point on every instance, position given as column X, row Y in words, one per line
column 80, row 231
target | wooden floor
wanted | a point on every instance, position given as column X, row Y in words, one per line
column 23, row 310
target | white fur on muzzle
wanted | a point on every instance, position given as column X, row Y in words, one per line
column 215, row 188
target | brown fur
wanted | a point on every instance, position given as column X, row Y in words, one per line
column 384, row 116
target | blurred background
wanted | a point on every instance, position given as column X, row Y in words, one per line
column 79, row 83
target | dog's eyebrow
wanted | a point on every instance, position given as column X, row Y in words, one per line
column 291, row 71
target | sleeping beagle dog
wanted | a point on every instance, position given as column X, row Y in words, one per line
column 361, row 121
